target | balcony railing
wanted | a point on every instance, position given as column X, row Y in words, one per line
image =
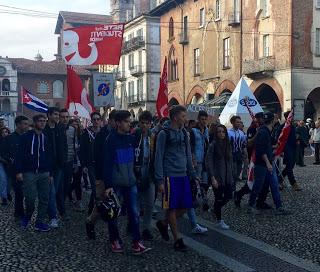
column 139, row 98
column 133, row 44
column 183, row 38
column 121, row 76
column 258, row 68
column 234, row 18
column 137, row 70
column 9, row 93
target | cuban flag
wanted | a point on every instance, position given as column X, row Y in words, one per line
column 32, row 102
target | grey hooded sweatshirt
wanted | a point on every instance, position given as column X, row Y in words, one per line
column 173, row 155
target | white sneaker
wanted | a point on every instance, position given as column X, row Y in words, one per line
column 222, row 225
column 199, row 229
column 53, row 223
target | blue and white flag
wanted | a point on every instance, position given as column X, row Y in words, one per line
column 32, row 102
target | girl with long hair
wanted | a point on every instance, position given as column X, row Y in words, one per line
column 219, row 167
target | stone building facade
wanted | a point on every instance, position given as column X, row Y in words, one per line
column 274, row 44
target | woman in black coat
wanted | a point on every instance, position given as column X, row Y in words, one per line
column 219, row 167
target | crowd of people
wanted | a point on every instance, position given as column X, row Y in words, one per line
column 127, row 166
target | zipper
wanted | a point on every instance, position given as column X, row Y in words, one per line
column 39, row 143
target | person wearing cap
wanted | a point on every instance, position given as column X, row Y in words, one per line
column 251, row 136
column 289, row 156
column 264, row 172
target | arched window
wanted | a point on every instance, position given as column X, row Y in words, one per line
column 6, row 85
column 57, row 89
column 171, row 28
column 6, row 106
column 173, row 65
column 43, row 87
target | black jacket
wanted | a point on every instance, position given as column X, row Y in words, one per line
column 98, row 150
column 87, row 140
column 57, row 140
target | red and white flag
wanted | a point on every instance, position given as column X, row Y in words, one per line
column 78, row 103
column 93, row 45
column 162, row 100
column 283, row 138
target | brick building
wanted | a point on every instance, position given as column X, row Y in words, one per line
column 44, row 79
column 275, row 44
column 198, row 39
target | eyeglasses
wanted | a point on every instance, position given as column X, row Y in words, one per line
column 96, row 119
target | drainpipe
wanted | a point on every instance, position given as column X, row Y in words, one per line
column 241, row 37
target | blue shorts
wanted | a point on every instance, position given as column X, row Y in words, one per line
column 177, row 193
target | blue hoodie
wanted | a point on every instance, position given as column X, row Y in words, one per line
column 33, row 154
column 119, row 160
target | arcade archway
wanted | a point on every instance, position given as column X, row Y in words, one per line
column 312, row 106
column 268, row 99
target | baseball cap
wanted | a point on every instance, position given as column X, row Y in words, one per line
column 259, row 115
column 268, row 116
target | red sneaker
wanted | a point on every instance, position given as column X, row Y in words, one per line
column 116, row 247
column 138, row 248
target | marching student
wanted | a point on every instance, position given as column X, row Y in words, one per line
column 219, row 167
column 34, row 171
column 118, row 176
column 173, row 167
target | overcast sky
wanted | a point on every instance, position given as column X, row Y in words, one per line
column 23, row 36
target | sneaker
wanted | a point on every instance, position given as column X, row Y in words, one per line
column 296, row 187
column 253, row 211
column 281, row 211
column 90, row 231
column 42, row 227
column 199, row 229
column 237, row 200
column 222, row 225
column 116, row 247
column 24, row 222
column 146, row 235
column 53, row 223
column 281, row 185
column 66, row 217
column 138, row 248
column 180, row 246
column 163, row 229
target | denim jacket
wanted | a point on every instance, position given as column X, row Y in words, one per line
column 199, row 143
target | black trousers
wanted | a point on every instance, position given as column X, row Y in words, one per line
column 222, row 196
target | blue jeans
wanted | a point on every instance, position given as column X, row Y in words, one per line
column 262, row 177
column 52, row 205
column 58, row 178
column 130, row 197
column 3, row 182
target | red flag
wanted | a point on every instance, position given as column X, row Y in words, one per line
column 283, row 138
column 162, row 100
column 93, row 45
column 78, row 103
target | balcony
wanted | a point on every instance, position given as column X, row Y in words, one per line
column 133, row 44
column 234, row 18
column 137, row 99
column 261, row 68
column 183, row 38
column 121, row 76
column 137, row 71
column 9, row 93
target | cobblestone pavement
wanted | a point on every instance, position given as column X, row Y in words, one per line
column 67, row 249
column 298, row 233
